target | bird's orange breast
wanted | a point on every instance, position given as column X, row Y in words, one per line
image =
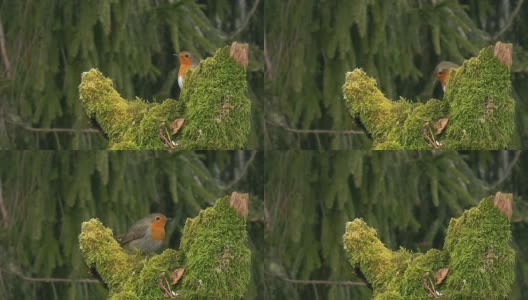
column 157, row 231
column 442, row 77
column 183, row 69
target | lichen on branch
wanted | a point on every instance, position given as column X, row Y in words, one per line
column 476, row 262
column 477, row 105
column 213, row 253
column 213, row 104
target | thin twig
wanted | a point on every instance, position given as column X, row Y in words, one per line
column 510, row 20
column 323, row 282
column 5, row 58
column 46, row 279
column 3, row 209
column 246, row 21
column 507, row 171
column 65, row 130
column 267, row 59
column 244, row 171
column 318, row 131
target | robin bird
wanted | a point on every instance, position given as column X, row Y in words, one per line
column 146, row 235
column 186, row 63
column 442, row 72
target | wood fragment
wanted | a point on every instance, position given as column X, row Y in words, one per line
column 503, row 201
column 503, row 52
column 239, row 201
column 239, row 52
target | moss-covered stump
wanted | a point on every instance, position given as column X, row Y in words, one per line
column 477, row 107
column 213, row 104
column 477, row 261
column 213, row 255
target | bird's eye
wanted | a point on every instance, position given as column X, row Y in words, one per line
column 187, row 55
column 157, row 218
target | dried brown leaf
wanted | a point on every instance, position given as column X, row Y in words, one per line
column 176, row 275
column 176, row 125
column 440, row 125
column 440, row 275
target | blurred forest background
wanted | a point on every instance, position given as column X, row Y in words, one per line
column 408, row 196
column 310, row 45
column 46, row 195
column 46, row 45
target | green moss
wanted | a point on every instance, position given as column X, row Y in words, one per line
column 477, row 253
column 102, row 252
column 217, row 259
column 217, row 109
column 368, row 253
column 430, row 112
column 213, row 253
column 480, row 108
column 410, row 282
column 213, row 104
column 477, row 104
column 387, row 145
column 364, row 100
column 481, row 257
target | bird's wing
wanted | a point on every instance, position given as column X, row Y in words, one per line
column 135, row 232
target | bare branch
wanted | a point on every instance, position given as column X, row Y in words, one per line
column 50, row 280
column 244, row 171
column 507, row 171
column 62, row 130
column 3, row 50
column 246, row 21
column 510, row 20
column 323, row 282
column 318, row 131
column 3, row 209
column 65, row 130
column 267, row 60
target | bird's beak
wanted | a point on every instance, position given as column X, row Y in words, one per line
column 168, row 219
column 175, row 54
